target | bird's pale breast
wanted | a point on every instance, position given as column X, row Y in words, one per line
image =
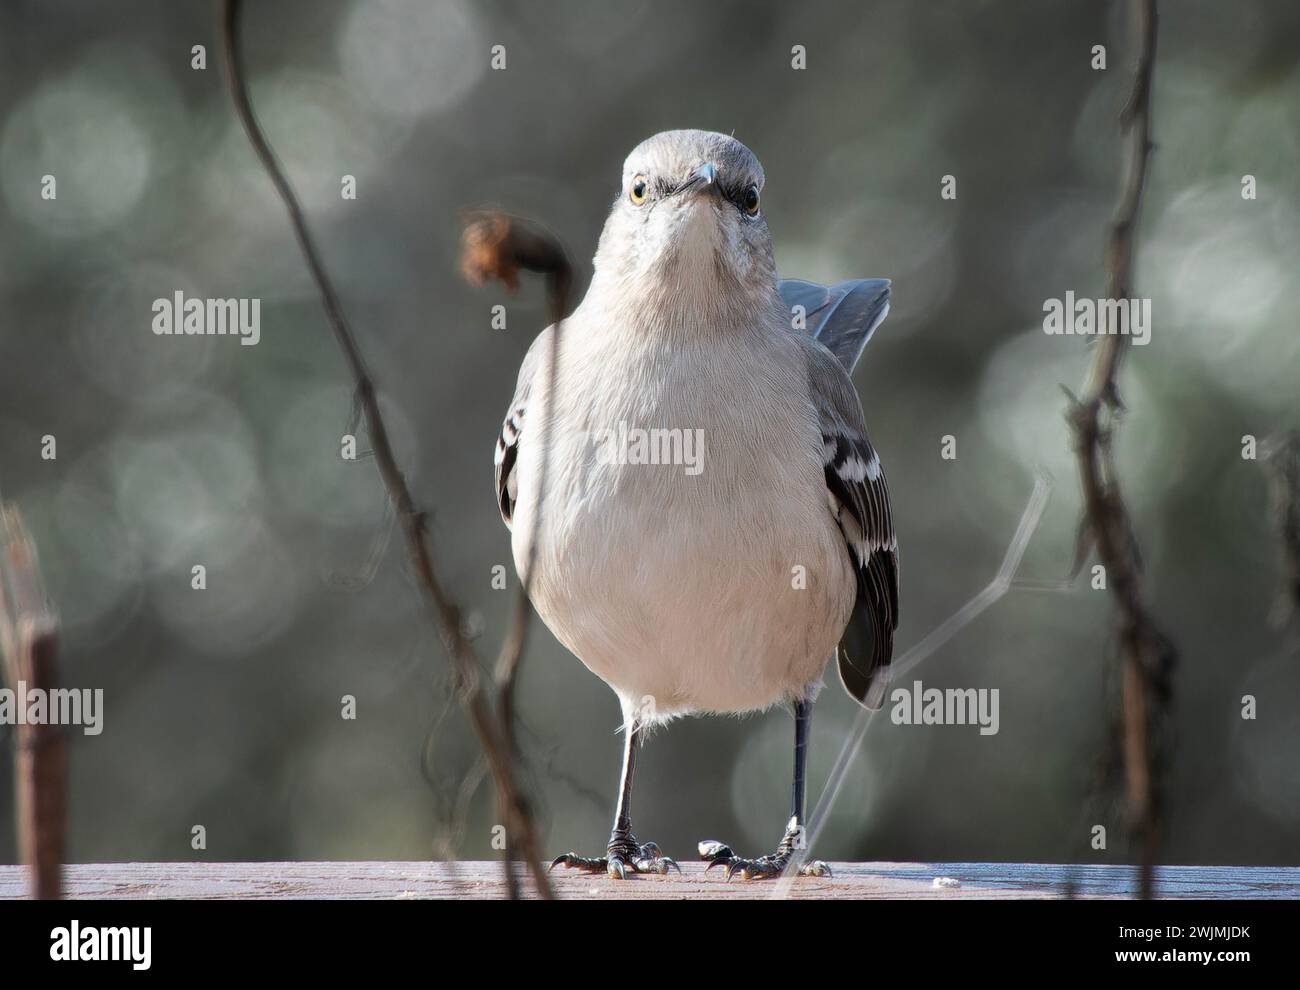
column 718, row 581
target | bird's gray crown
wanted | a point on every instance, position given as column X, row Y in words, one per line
column 678, row 153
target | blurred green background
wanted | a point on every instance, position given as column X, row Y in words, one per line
column 223, row 706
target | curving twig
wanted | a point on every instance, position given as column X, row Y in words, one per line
column 1146, row 656
column 497, row 748
column 496, row 245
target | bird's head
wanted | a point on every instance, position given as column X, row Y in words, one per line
column 688, row 222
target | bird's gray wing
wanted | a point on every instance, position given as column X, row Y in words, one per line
column 842, row 316
column 507, row 451
column 859, row 499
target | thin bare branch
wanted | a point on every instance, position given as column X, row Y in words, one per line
column 514, row 806
column 28, row 639
column 1146, row 656
column 496, row 245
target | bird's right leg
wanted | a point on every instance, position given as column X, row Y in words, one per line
column 624, row 854
column 720, row 854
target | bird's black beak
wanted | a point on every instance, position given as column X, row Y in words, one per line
column 703, row 177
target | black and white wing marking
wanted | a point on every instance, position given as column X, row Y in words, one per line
column 507, row 450
column 506, row 453
column 859, row 500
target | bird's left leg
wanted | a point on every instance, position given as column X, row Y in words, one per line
column 719, row 854
column 624, row 854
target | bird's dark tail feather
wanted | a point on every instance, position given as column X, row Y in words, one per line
column 866, row 651
column 843, row 316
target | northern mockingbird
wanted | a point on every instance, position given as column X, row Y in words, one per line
column 715, row 524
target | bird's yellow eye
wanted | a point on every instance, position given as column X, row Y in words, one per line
column 639, row 190
column 750, row 201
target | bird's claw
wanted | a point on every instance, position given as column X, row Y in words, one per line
column 588, row 864
column 720, row 854
column 651, row 859
column 624, row 858
column 715, row 853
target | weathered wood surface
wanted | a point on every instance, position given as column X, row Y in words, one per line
column 398, row 880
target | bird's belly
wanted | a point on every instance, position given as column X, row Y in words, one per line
column 685, row 593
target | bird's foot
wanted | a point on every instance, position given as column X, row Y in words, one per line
column 764, row 867
column 625, row 856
